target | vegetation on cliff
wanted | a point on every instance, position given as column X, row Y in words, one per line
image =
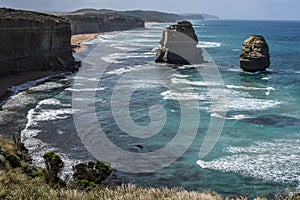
column 12, row 14
column 145, row 15
column 27, row 181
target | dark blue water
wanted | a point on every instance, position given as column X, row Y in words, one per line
column 258, row 152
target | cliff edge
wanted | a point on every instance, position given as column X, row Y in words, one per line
column 87, row 21
column 34, row 41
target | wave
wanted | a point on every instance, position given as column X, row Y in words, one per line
column 233, row 69
column 267, row 78
column 248, row 88
column 240, row 101
column 209, row 44
column 29, row 84
column 232, row 117
column 47, row 86
column 29, row 134
column 32, row 85
column 85, row 89
column 180, row 76
column 123, row 70
column 274, row 161
column 196, row 83
column 114, row 57
column 268, row 89
column 180, row 96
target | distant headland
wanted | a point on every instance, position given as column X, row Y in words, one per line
column 145, row 15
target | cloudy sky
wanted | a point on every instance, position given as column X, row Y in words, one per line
column 226, row 9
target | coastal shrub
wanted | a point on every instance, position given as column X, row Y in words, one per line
column 32, row 170
column 14, row 161
column 22, row 151
column 91, row 174
column 54, row 165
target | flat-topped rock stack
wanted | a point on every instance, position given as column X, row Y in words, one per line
column 179, row 45
column 255, row 56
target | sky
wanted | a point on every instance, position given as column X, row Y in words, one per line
column 225, row 9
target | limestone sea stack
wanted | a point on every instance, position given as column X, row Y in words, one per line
column 255, row 56
column 178, row 45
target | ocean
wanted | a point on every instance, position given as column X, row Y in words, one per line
column 154, row 118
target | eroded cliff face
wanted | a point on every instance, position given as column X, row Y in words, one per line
column 96, row 23
column 33, row 41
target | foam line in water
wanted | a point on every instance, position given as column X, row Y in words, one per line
column 181, row 96
column 25, row 86
column 196, row 83
column 232, row 117
column 180, row 76
column 209, row 44
column 249, row 88
column 274, row 161
column 114, row 57
column 241, row 101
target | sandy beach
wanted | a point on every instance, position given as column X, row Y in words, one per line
column 77, row 40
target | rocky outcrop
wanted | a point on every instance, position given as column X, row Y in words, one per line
column 178, row 45
column 34, row 42
column 255, row 56
column 96, row 23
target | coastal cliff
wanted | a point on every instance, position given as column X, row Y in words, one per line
column 97, row 22
column 34, row 42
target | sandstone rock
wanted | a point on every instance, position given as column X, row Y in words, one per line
column 30, row 40
column 178, row 45
column 255, row 56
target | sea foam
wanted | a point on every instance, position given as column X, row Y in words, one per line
column 275, row 161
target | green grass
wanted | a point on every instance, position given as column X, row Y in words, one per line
column 14, row 184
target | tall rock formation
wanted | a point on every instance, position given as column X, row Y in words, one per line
column 178, row 45
column 255, row 56
column 33, row 41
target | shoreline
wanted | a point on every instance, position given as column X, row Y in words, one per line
column 9, row 81
column 77, row 41
column 17, row 79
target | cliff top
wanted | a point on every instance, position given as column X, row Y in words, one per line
column 145, row 15
column 12, row 14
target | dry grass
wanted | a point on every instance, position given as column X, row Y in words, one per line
column 8, row 146
column 16, row 185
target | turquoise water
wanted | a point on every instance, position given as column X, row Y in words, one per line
column 258, row 152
